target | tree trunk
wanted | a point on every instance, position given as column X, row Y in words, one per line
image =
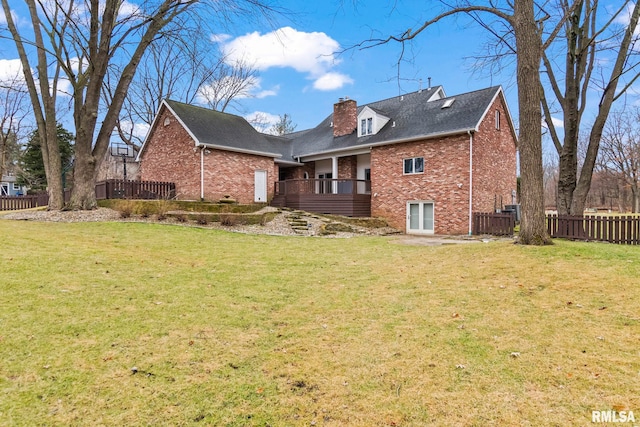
column 83, row 194
column 533, row 230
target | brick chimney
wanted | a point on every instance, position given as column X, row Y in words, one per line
column 345, row 117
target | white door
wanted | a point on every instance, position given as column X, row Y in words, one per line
column 261, row 187
column 420, row 217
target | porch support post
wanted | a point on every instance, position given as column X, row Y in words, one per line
column 334, row 174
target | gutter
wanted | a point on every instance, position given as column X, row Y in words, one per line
column 470, row 182
column 201, row 171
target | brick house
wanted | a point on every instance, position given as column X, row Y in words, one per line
column 423, row 161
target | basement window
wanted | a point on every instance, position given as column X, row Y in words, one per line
column 413, row 165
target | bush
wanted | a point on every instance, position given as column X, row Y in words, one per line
column 202, row 219
column 125, row 207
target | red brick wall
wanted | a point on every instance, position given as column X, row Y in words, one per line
column 494, row 162
column 347, row 167
column 170, row 156
column 446, row 166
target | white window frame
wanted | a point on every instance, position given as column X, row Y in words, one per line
column 413, row 166
column 366, row 126
column 497, row 119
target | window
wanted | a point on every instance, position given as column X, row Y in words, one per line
column 414, row 165
column 16, row 187
column 366, row 126
column 497, row 119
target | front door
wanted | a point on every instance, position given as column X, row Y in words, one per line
column 420, row 217
column 260, row 187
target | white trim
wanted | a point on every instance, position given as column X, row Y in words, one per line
column 240, row 150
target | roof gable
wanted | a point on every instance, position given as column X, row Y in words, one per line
column 215, row 129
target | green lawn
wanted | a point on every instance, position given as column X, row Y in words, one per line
column 239, row 330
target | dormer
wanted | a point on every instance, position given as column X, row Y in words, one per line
column 438, row 94
column 371, row 121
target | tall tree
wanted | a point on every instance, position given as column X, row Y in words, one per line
column 526, row 27
column 586, row 40
column 84, row 40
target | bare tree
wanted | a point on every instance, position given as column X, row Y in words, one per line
column 84, row 40
column 184, row 69
column 13, row 110
column 620, row 153
column 586, row 41
column 284, row 126
column 227, row 83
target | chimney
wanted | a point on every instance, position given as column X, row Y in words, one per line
column 345, row 117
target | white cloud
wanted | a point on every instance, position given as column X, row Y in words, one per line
column 262, row 121
column 10, row 70
column 309, row 53
column 558, row 123
column 331, row 81
column 219, row 38
column 128, row 10
column 139, row 129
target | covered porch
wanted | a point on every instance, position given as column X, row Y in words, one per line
column 348, row 197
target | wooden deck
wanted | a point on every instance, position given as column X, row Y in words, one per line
column 348, row 197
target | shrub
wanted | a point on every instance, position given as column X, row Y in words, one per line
column 125, row 207
column 202, row 219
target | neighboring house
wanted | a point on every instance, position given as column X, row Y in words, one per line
column 10, row 187
column 422, row 160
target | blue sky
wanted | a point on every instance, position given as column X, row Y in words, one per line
column 303, row 77
column 302, row 74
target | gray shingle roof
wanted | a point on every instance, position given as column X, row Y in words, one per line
column 216, row 129
column 412, row 117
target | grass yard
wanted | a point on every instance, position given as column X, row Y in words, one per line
column 147, row 324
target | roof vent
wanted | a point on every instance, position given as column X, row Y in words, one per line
column 448, row 103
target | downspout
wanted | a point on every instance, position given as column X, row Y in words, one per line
column 202, row 173
column 470, row 183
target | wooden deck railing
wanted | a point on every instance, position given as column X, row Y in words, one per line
column 121, row 189
column 322, row 186
column 612, row 229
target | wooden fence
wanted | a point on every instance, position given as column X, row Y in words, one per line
column 14, row 203
column 612, row 229
column 110, row 189
column 497, row 224
column 121, row 189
